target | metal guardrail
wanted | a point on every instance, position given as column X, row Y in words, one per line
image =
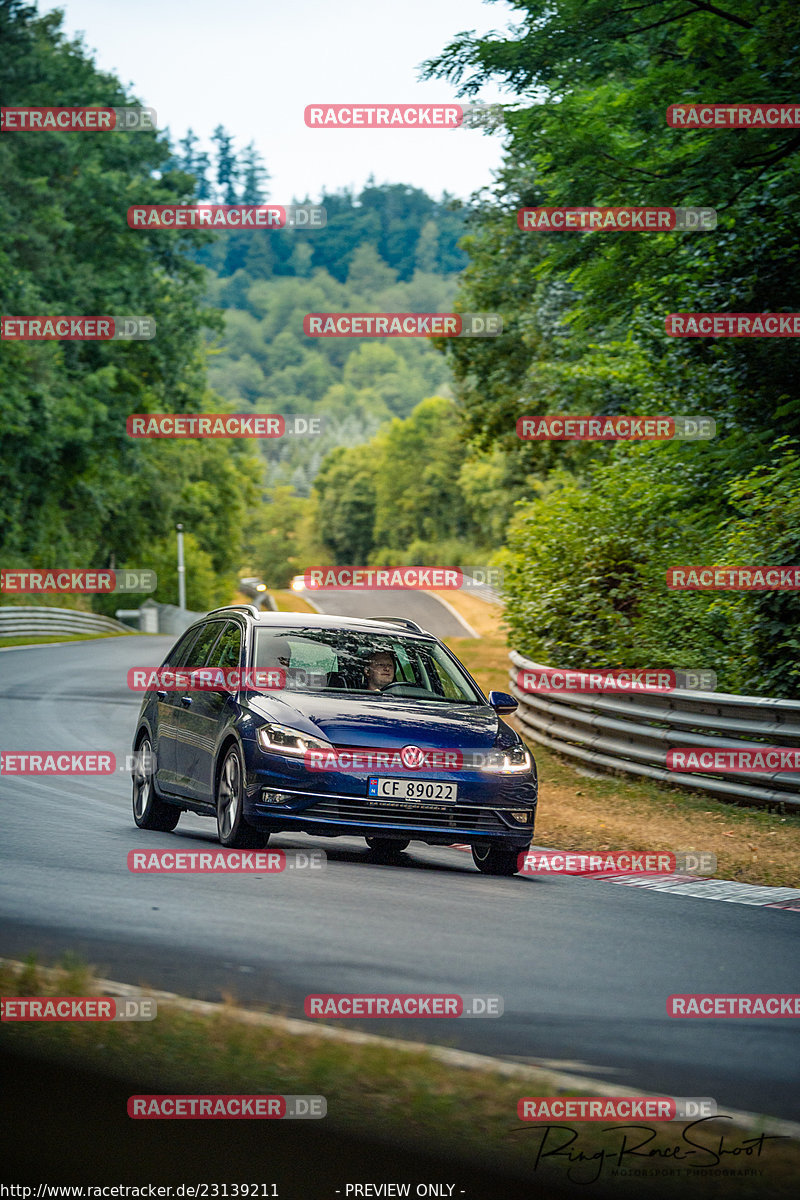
column 485, row 592
column 631, row 734
column 24, row 621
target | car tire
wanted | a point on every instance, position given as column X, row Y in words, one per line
column 491, row 860
column 233, row 830
column 386, row 847
column 149, row 810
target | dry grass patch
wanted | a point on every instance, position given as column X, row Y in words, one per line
column 289, row 601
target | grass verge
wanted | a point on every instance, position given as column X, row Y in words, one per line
column 407, row 1097
column 289, row 601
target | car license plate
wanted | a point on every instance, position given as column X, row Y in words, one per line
column 412, row 789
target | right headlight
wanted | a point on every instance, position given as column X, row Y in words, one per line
column 514, row 761
column 282, row 739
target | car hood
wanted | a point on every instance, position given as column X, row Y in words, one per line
column 386, row 723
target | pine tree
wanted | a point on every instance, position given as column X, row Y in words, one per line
column 227, row 166
column 254, row 176
column 186, row 159
column 202, row 165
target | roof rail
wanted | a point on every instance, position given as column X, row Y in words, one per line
column 251, row 608
column 404, row 621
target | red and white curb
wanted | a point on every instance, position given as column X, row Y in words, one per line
column 691, row 885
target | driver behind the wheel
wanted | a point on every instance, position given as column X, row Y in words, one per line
column 379, row 670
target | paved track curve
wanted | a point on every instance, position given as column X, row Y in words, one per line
column 418, row 606
column 584, row 971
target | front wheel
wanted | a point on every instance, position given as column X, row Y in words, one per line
column 491, row 860
column 149, row 810
column 232, row 829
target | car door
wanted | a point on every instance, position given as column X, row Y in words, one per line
column 203, row 712
column 186, row 727
column 167, row 714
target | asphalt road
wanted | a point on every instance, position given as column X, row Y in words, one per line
column 584, row 968
column 385, row 602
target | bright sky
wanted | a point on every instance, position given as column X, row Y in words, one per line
column 253, row 66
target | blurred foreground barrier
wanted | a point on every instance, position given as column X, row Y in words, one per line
column 45, row 622
column 631, row 734
column 174, row 620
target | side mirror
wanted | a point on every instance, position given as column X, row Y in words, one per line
column 502, row 703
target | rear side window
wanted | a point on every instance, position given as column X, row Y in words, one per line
column 199, row 650
column 227, row 652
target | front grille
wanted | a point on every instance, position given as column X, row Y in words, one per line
column 442, row 816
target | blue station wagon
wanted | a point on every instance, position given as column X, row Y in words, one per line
column 331, row 726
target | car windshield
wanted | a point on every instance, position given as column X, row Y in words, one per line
column 379, row 664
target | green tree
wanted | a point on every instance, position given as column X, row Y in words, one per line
column 345, row 496
column 588, row 127
column 275, row 543
column 765, row 626
column 585, row 570
column 75, row 489
column 254, row 176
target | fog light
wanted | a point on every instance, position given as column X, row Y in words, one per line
column 275, row 797
column 522, row 817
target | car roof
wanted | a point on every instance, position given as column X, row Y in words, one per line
column 300, row 620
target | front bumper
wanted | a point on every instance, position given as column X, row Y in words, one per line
column 336, row 814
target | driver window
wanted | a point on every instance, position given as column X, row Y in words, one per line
column 178, row 655
column 445, row 685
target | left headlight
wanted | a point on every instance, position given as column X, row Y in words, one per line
column 282, row 739
column 514, row 761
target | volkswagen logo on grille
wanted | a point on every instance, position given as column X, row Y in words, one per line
column 412, row 757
